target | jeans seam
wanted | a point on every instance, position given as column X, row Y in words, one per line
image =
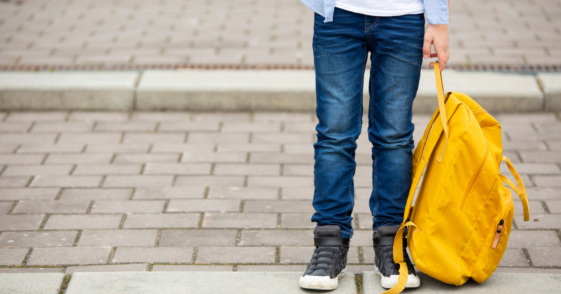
column 373, row 25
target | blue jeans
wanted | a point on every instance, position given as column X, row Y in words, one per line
column 340, row 51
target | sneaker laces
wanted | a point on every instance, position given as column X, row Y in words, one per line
column 388, row 256
column 324, row 251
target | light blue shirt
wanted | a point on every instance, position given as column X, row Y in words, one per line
column 436, row 11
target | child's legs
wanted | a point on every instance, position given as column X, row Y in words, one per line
column 396, row 44
column 340, row 53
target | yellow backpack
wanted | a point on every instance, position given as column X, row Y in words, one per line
column 461, row 221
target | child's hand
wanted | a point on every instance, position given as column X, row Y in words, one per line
column 437, row 35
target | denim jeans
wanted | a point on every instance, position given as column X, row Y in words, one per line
column 340, row 53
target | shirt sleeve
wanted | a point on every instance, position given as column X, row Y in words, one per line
column 436, row 11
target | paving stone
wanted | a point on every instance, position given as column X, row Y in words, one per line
column 31, row 283
column 547, row 181
column 37, row 239
column 142, row 158
column 282, row 138
column 271, row 268
column 140, row 126
column 297, row 221
column 543, row 193
column 28, row 193
column 297, row 193
column 8, row 147
column 99, row 116
column 161, row 116
column 254, row 148
column 529, row 239
column 246, row 169
column 243, row 193
column 545, row 256
column 152, row 138
column 533, row 168
column 192, row 268
column 89, row 138
column 114, row 238
column 169, row 193
column 198, row 238
column 82, row 222
column 239, row 220
column 276, row 237
column 278, row 206
column 153, row 254
column 20, row 222
column 65, row 181
column 103, row 158
column 65, row 127
column 178, row 168
column 161, row 220
column 298, row 170
column 282, row 116
column 247, row 127
column 28, row 138
column 554, row 206
column 12, row 256
column 107, row 268
column 499, row 282
column 15, row 127
column 236, row 255
column 21, row 158
column 540, row 156
column 29, row 170
column 300, row 127
column 536, row 207
column 188, row 126
column 203, row 205
column 179, row 148
column 117, row 148
column 37, row 116
column 140, row 206
column 216, row 181
column 213, row 157
column 220, row 116
column 96, row 194
column 544, row 221
column 303, row 254
column 19, row 270
column 69, row 255
column 196, row 282
column 217, row 138
column 107, row 169
column 271, row 181
column 281, row 158
column 14, row 182
column 137, row 181
column 514, row 258
column 5, row 207
column 47, row 148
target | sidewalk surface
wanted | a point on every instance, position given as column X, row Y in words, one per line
column 243, row 32
column 168, row 191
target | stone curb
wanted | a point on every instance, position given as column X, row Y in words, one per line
column 251, row 282
column 243, row 90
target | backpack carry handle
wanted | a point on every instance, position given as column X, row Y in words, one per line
column 441, row 106
column 520, row 190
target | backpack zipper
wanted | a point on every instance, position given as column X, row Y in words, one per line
column 500, row 225
column 474, row 178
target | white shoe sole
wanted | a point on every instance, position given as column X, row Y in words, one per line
column 413, row 281
column 320, row 282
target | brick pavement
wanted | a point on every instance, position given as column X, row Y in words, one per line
column 106, row 191
column 244, row 32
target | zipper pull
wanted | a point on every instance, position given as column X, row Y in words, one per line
column 498, row 234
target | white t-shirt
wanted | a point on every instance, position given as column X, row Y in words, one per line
column 382, row 7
